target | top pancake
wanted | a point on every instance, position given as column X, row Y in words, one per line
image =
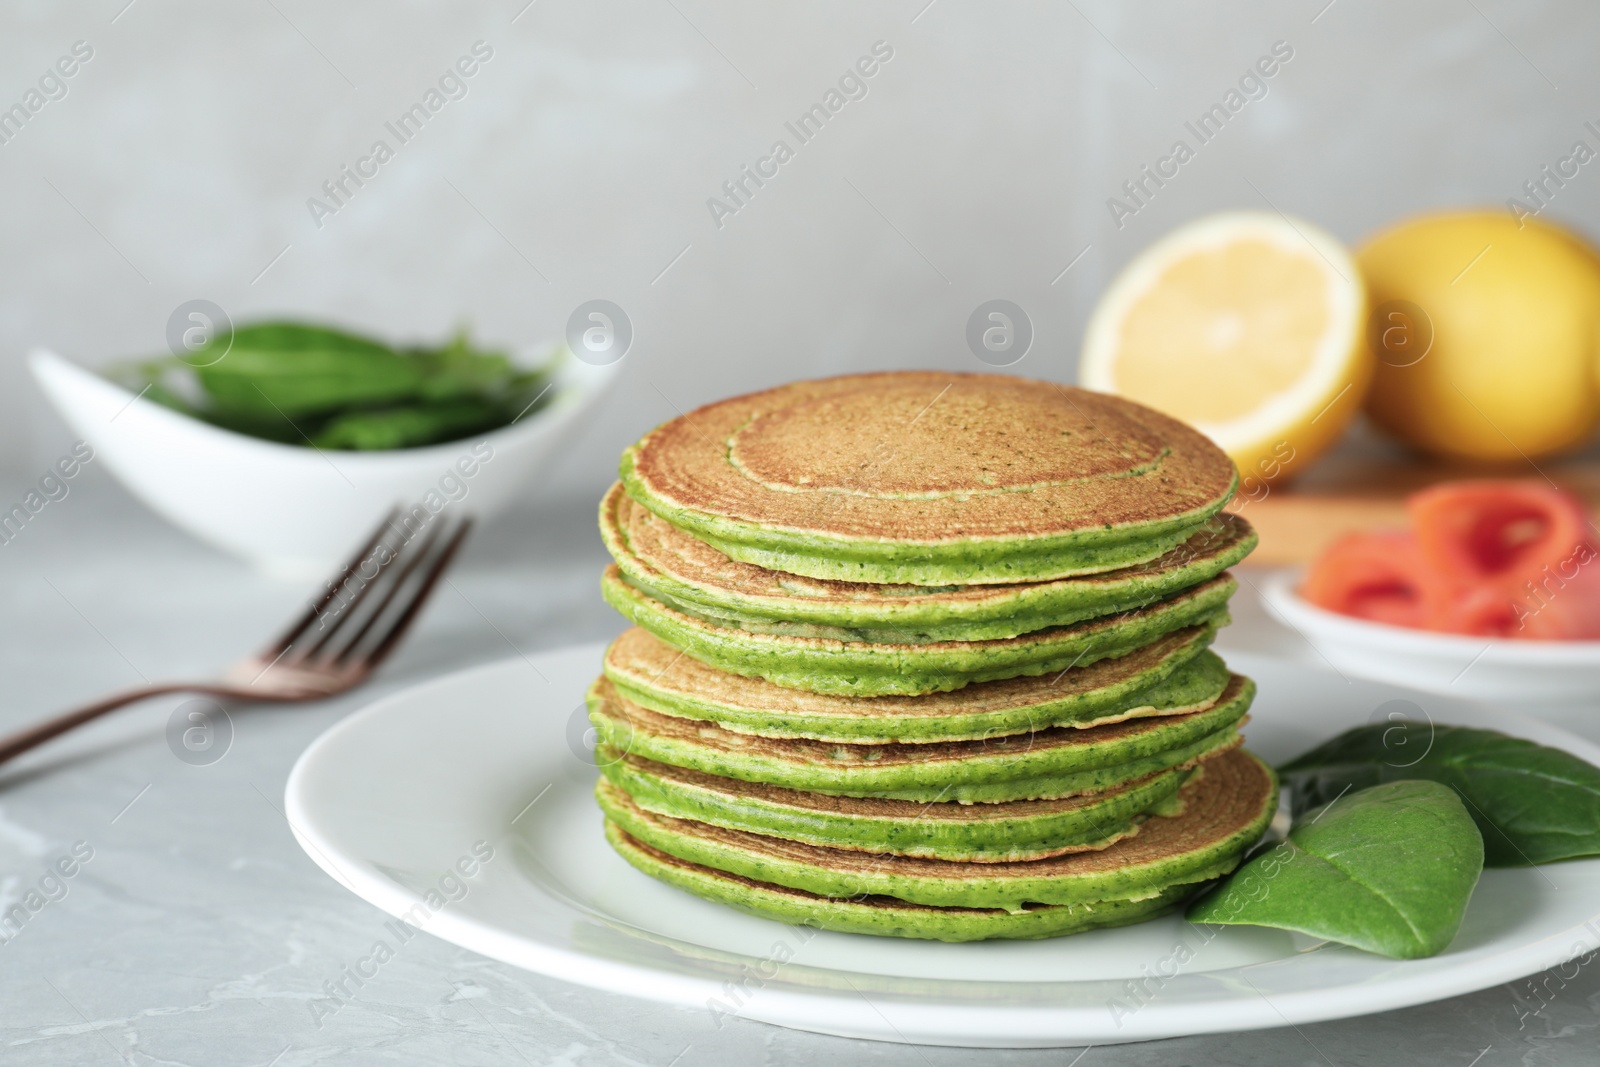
column 931, row 479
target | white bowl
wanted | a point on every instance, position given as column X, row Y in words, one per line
column 291, row 510
column 1479, row 668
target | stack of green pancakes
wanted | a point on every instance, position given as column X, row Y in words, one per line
column 927, row 655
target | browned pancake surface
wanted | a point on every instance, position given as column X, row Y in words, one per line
column 882, row 807
column 1227, row 799
column 800, row 895
column 648, row 661
column 1104, row 624
column 802, row 750
column 926, row 457
column 658, row 546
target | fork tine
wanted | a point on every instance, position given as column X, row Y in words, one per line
column 275, row 650
column 414, row 557
column 354, row 607
column 419, row 596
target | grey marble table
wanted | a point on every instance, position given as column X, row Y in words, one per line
column 198, row 933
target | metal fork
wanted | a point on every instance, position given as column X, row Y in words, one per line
column 341, row 638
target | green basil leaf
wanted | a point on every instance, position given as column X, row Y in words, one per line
column 1533, row 804
column 409, row 427
column 1388, row 869
column 459, row 371
column 299, row 383
column 291, row 371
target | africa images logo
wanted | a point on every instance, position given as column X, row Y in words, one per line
column 852, row 85
column 1140, row 190
column 339, row 190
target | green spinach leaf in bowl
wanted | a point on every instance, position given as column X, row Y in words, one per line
column 300, row 383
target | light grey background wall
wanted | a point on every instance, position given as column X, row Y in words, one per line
column 579, row 162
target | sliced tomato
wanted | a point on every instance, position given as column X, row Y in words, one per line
column 1498, row 534
column 1378, row 575
column 1563, row 603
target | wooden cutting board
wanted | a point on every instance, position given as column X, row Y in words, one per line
column 1362, row 485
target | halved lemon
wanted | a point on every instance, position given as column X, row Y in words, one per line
column 1248, row 326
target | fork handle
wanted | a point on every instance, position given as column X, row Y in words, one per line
column 38, row 734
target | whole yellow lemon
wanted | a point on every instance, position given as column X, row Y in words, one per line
column 1486, row 331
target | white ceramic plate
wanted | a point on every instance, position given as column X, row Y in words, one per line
column 1478, row 668
column 393, row 801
